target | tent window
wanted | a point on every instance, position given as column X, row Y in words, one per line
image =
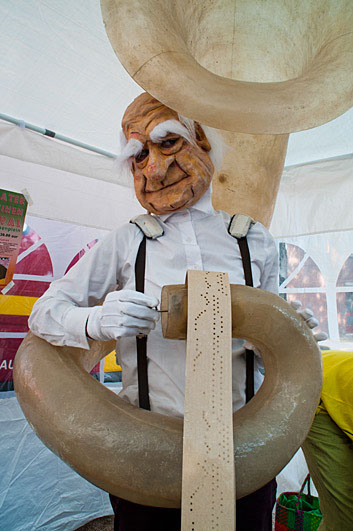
column 301, row 279
column 345, row 300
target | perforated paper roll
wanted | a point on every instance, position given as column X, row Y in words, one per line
column 208, row 481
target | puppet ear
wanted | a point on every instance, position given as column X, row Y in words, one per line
column 201, row 138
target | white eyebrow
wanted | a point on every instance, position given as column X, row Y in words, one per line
column 170, row 126
column 122, row 163
column 132, row 148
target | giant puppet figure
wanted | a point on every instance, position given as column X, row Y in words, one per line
column 172, row 162
column 172, row 170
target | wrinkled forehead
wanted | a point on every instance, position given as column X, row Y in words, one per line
column 144, row 113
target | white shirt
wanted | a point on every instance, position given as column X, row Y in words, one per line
column 195, row 238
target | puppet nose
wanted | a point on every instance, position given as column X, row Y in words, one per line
column 156, row 170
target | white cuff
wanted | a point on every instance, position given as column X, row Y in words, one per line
column 93, row 324
column 75, row 326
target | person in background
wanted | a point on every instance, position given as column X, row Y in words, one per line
column 328, row 448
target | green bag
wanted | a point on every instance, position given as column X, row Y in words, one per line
column 296, row 511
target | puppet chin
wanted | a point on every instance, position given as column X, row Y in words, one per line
column 182, row 195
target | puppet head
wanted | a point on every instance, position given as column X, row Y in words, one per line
column 170, row 158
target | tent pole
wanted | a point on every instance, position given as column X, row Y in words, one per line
column 52, row 134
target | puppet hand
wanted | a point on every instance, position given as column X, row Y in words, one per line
column 308, row 316
column 124, row 313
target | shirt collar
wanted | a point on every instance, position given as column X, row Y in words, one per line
column 203, row 206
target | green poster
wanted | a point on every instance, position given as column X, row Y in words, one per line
column 13, row 207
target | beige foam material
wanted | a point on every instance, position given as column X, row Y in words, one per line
column 208, row 480
column 247, row 66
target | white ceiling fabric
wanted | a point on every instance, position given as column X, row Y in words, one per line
column 29, row 146
column 60, row 72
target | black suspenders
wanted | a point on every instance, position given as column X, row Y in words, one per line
column 141, row 342
column 245, row 256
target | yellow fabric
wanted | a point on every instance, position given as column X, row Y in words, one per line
column 16, row 305
column 337, row 389
column 110, row 364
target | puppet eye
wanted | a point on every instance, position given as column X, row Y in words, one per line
column 169, row 142
column 142, row 155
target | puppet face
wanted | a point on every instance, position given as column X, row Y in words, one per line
column 170, row 173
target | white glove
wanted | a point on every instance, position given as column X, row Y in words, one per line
column 124, row 313
column 310, row 320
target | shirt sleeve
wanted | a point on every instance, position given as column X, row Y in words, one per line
column 60, row 315
column 269, row 277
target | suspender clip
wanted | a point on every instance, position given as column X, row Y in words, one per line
column 149, row 225
column 239, row 225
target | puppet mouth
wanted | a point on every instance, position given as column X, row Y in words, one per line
column 176, row 200
column 178, row 188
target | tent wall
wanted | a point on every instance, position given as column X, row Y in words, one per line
column 315, row 198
